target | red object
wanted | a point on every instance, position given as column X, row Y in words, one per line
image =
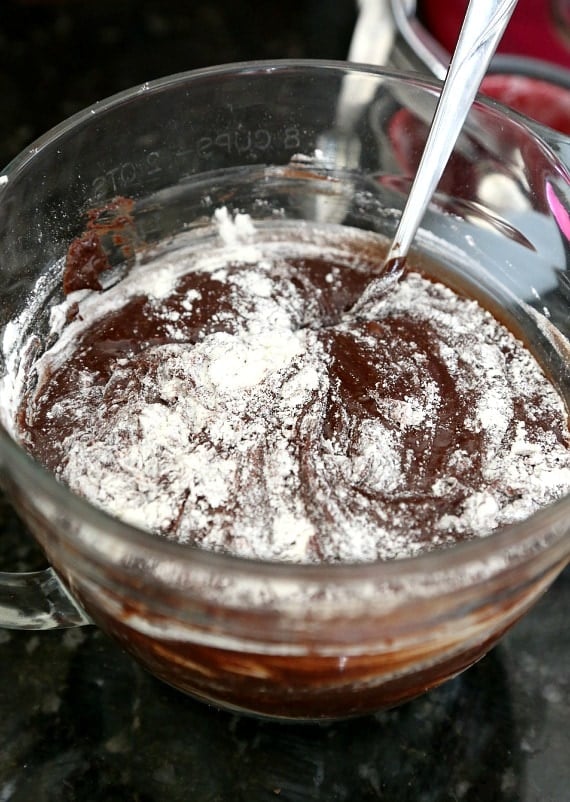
column 532, row 31
column 542, row 101
column 535, row 31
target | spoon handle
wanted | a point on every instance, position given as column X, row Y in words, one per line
column 483, row 26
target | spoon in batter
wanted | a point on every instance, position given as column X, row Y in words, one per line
column 484, row 24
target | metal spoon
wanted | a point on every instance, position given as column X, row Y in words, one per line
column 483, row 26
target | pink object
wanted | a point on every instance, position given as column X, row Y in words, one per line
column 558, row 210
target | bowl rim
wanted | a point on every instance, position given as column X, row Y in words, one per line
column 423, row 80
column 551, row 522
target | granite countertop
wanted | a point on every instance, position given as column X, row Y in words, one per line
column 79, row 720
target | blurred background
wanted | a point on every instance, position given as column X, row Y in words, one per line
column 539, row 28
column 58, row 56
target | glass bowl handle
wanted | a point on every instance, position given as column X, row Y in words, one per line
column 38, row 600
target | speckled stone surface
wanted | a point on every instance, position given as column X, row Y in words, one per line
column 79, row 721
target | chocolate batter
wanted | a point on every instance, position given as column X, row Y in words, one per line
column 222, row 397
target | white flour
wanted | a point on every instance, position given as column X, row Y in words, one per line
column 223, row 442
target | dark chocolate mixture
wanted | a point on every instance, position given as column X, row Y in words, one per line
column 221, row 399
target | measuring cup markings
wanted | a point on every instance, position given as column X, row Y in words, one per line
column 242, row 141
column 125, row 174
column 231, row 141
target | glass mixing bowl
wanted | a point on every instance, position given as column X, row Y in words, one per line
column 287, row 141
